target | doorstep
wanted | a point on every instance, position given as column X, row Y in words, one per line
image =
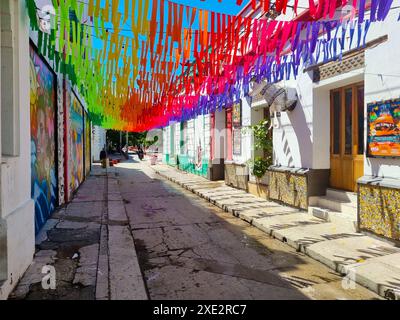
column 368, row 261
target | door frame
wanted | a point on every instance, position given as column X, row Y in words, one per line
column 354, row 156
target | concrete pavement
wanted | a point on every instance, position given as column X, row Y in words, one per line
column 370, row 262
column 132, row 234
column 90, row 246
column 190, row 249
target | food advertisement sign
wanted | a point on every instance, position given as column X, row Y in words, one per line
column 384, row 129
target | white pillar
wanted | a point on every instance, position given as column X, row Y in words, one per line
column 17, row 241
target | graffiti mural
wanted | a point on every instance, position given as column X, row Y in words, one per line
column 87, row 144
column 43, row 139
column 76, row 167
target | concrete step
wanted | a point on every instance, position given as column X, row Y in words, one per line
column 334, row 216
column 345, row 196
column 336, row 205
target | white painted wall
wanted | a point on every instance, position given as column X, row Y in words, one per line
column 190, row 138
column 198, row 135
column 177, row 138
column 159, row 144
column 302, row 137
column 166, row 140
column 17, row 208
column 293, row 131
column 246, row 135
column 219, row 136
column 98, row 142
column 207, row 135
column 382, row 82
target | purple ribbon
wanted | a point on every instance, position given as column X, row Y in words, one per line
column 361, row 11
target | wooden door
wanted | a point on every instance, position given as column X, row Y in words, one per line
column 347, row 136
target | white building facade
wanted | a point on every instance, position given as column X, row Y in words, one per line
column 17, row 228
column 331, row 153
column 98, row 142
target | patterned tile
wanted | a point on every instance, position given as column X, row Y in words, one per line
column 380, row 210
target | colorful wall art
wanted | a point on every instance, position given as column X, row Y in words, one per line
column 76, row 148
column 87, row 144
column 43, row 139
column 384, row 128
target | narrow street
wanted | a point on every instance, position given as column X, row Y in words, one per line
column 190, row 249
column 129, row 233
column 199, row 150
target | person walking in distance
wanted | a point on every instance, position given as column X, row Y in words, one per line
column 103, row 158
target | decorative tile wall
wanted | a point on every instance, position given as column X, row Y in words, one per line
column 288, row 188
column 236, row 175
column 379, row 210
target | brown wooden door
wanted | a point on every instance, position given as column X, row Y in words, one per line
column 347, row 136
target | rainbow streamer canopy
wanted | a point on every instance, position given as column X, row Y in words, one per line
column 141, row 64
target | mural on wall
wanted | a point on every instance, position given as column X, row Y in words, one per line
column 76, row 148
column 43, row 139
column 384, row 128
column 87, row 144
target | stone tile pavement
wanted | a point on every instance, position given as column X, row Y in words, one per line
column 88, row 247
column 370, row 262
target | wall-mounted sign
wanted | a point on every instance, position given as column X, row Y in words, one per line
column 384, row 129
column 237, row 114
column 237, row 141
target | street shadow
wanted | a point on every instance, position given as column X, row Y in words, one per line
column 201, row 217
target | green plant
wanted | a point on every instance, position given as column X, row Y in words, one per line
column 263, row 142
column 260, row 166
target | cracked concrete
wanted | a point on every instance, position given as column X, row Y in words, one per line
column 131, row 234
column 370, row 262
column 90, row 246
column 190, row 249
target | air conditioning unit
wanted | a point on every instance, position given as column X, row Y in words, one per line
column 282, row 103
column 276, row 97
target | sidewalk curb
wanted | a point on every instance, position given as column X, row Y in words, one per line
column 126, row 281
column 349, row 271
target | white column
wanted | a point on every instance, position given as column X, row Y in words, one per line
column 17, row 241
